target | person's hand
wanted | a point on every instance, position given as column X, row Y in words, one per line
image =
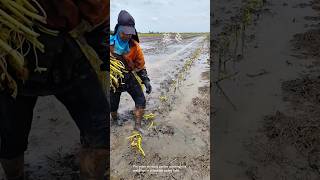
column 148, row 87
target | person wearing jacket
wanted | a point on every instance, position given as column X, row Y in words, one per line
column 68, row 76
column 124, row 45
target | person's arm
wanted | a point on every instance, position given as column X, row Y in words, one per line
column 96, row 12
column 141, row 69
column 139, row 58
column 98, row 39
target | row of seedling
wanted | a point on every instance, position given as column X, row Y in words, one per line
column 165, row 99
column 235, row 34
column 228, row 42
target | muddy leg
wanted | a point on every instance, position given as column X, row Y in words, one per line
column 114, row 103
column 93, row 163
column 116, row 119
column 138, row 114
column 15, row 124
column 88, row 105
column 13, row 168
column 139, row 99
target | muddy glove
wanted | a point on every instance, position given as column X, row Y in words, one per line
column 145, row 80
column 148, row 86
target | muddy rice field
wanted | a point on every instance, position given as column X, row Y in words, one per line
column 266, row 98
column 179, row 73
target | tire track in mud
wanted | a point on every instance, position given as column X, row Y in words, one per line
column 173, row 141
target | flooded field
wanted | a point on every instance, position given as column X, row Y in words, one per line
column 259, row 129
column 181, row 134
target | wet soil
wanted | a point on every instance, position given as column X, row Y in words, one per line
column 273, row 133
column 180, row 136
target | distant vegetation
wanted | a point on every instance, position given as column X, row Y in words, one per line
column 158, row 34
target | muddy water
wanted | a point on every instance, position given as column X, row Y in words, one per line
column 51, row 125
column 179, row 140
column 52, row 122
column 161, row 66
column 186, row 139
column 256, row 96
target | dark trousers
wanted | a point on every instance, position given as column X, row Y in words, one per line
column 132, row 86
column 73, row 82
column 88, row 110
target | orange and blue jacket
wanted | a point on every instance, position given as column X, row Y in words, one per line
column 134, row 58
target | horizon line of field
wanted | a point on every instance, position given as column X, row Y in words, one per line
column 141, row 34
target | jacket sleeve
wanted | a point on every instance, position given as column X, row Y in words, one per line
column 139, row 61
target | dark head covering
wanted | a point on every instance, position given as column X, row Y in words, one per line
column 128, row 24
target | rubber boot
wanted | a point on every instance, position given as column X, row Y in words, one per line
column 13, row 168
column 116, row 119
column 93, row 163
column 138, row 114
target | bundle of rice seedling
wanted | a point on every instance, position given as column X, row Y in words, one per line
column 116, row 72
column 136, row 142
column 17, row 17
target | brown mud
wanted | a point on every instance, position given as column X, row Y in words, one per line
column 273, row 133
column 180, row 136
